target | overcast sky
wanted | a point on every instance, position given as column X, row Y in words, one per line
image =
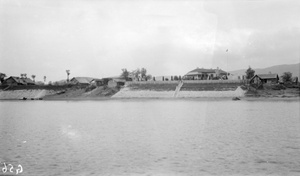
column 99, row 38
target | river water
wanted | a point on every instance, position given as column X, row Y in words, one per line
column 150, row 137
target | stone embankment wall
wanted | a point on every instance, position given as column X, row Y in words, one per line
column 19, row 94
column 129, row 93
column 199, row 94
column 166, row 89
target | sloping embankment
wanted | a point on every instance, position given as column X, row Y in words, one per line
column 127, row 92
column 147, row 90
column 59, row 93
column 29, row 94
column 84, row 94
column 239, row 92
column 188, row 90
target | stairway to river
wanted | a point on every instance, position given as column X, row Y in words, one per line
column 178, row 87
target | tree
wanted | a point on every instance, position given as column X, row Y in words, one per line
column 143, row 72
column 136, row 73
column 176, row 78
column 23, row 75
column 148, row 77
column 68, row 73
column 249, row 73
column 286, row 77
column 2, row 76
column 45, row 79
column 125, row 74
column 33, row 77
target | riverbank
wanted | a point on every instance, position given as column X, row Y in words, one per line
column 128, row 92
column 72, row 93
column 154, row 91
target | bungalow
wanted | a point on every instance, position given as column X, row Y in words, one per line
column 28, row 81
column 269, row 78
column 13, row 80
column 116, row 82
column 205, row 74
column 98, row 82
column 81, row 81
column 256, row 81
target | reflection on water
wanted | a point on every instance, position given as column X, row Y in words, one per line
column 151, row 137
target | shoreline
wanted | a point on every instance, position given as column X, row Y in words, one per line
column 126, row 93
column 164, row 98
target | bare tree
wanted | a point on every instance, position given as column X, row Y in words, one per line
column 68, row 73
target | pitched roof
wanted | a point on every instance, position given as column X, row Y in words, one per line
column 96, row 79
column 203, row 70
column 83, row 80
column 268, row 76
column 17, row 80
column 27, row 80
column 21, row 80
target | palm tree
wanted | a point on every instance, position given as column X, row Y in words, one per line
column 68, row 73
column 33, row 77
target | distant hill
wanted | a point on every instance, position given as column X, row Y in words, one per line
column 279, row 69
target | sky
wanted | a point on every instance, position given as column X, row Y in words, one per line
column 98, row 38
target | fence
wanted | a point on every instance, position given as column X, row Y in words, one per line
column 214, row 81
column 188, row 81
column 151, row 82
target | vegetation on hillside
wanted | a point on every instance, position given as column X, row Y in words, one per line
column 249, row 73
column 138, row 74
column 286, row 77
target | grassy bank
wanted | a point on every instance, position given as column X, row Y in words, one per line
column 275, row 91
column 210, row 86
column 84, row 93
column 153, row 87
column 35, row 87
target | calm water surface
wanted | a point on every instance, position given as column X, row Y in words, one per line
column 151, row 137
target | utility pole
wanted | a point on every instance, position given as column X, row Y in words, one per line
column 227, row 63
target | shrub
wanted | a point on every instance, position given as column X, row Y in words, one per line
column 286, row 77
column 90, row 88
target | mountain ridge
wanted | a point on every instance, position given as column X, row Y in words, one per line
column 279, row 69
